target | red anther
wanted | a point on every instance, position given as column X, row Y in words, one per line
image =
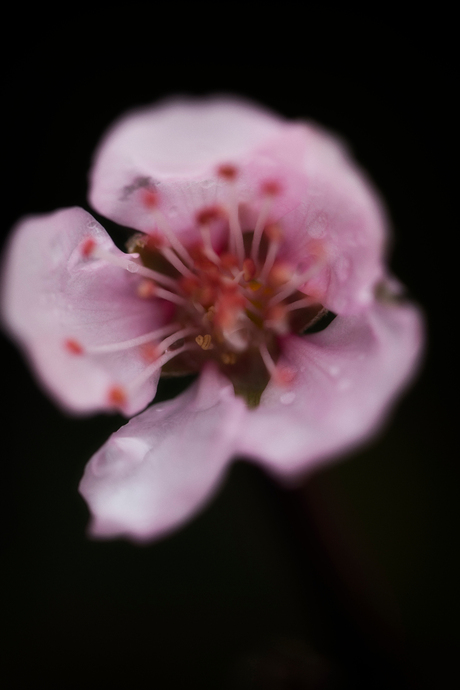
column 155, row 241
column 150, row 352
column 87, row 247
column 73, row 346
column 149, row 198
column 146, row 289
column 116, row 396
column 273, row 232
column 284, row 375
column 279, row 274
column 249, row 269
column 209, row 215
column 271, row 188
column 227, row 171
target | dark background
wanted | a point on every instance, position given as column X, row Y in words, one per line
column 350, row 582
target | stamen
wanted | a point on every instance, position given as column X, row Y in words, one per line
column 270, row 190
column 133, row 342
column 281, row 374
column 173, row 240
column 175, row 261
column 275, row 239
column 116, row 397
column 229, row 173
column 150, row 201
column 249, row 269
column 295, row 282
column 73, row 346
column 267, row 359
column 150, row 370
column 300, row 303
column 204, row 341
column 167, row 342
column 87, row 247
column 169, row 296
column 204, row 219
column 276, row 319
column 90, row 249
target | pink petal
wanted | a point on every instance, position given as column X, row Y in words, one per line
column 175, row 146
column 347, row 377
column 161, row 467
column 324, row 199
column 52, row 294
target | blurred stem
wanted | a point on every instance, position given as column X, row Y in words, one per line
column 362, row 627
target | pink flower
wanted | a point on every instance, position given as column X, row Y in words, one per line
column 251, row 229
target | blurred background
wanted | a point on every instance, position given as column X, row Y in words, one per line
column 350, row 581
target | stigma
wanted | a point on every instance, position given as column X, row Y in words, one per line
column 234, row 297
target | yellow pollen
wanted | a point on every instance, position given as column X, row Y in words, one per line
column 204, row 341
column 229, row 358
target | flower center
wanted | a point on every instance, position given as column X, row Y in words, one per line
column 233, row 297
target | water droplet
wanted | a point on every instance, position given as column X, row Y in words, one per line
column 334, row 371
column 173, row 211
column 287, row 398
column 207, row 183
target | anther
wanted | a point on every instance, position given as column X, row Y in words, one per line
column 116, row 396
column 87, row 247
column 227, row 171
column 208, row 215
column 204, row 341
column 271, row 188
column 149, row 198
column 146, row 289
column 73, row 346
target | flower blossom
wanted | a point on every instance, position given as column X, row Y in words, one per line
column 251, row 233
